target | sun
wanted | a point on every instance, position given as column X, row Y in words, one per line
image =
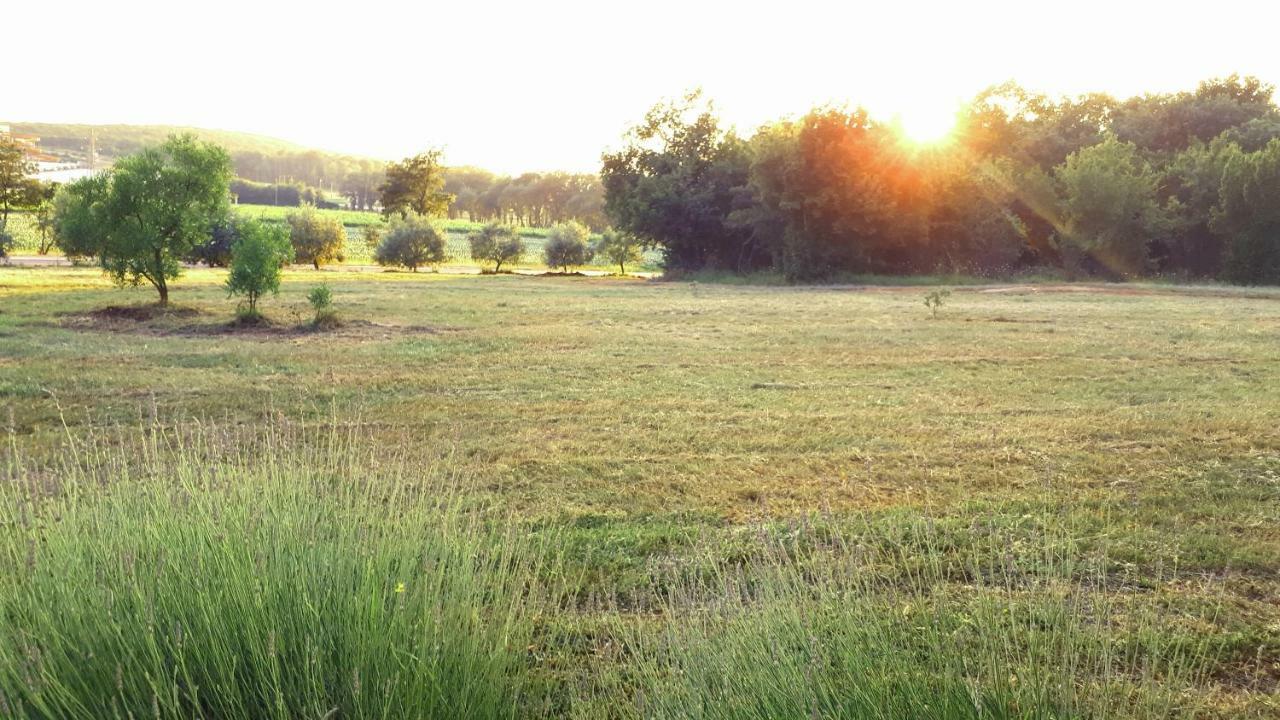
column 926, row 126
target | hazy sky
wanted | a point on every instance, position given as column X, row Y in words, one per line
column 516, row 86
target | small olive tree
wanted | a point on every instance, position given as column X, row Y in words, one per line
column 566, row 246
column 497, row 244
column 412, row 241
column 619, row 248
column 256, row 258
column 316, row 238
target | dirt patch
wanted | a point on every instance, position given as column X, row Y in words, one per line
column 140, row 313
column 185, row 322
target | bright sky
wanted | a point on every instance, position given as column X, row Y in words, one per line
column 520, row 85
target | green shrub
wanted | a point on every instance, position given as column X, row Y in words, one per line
column 412, row 241
column 934, row 300
column 321, row 300
column 256, row 259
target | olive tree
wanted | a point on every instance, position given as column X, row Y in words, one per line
column 412, row 241
column 316, row 238
column 497, row 244
column 619, row 248
column 566, row 246
column 147, row 213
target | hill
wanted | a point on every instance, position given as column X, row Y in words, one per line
column 72, row 140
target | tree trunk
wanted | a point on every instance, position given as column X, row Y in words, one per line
column 161, row 286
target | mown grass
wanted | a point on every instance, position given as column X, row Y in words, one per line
column 1116, row 446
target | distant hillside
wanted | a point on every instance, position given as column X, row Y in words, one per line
column 116, row 140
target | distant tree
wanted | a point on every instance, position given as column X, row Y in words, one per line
column 619, row 248
column 497, row 244
column 256, row 258
column 146, row 214
column 216, row 251
column 372, row 235
column 317, row 239
column 566, row 246
column 44, row 220
column 416, row 185
column 412, row 241
column 1249, row 216
column 1110, row 206
column 15, row 186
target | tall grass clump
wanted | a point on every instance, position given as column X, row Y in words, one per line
column 206, row 575
column 909, row 629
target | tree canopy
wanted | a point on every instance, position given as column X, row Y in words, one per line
column 416, row 184
column 1087, row 184
column 144, row 216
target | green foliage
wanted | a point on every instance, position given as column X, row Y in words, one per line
column 619, row 248
column 320, row 298
column 6, row 243
column 15, row 188
column 317, row 238
column 256, row 258
column 497, row 244
column 566, row 246
column 1110, row 206
column 1249, row 215
column 416, row 185
column 1093, row 185
column 145, row 215
column 675, row 183
column 217, row 250
column 412, row 241
column 44, row 216
column 935, row 298
column 372, row 236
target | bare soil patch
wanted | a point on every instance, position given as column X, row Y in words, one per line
column 154, row 321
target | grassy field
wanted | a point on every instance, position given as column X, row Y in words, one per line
column 625, row 498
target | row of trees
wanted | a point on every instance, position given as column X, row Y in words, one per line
column 1184, row 184
column 424, row 185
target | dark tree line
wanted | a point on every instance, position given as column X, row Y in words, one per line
column 1184, row 184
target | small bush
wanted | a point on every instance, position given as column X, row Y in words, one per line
column 321, row 299
column 412, row 241
column 6, row 244
column 497, row 244
column 934, row 300
column 566, row 246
